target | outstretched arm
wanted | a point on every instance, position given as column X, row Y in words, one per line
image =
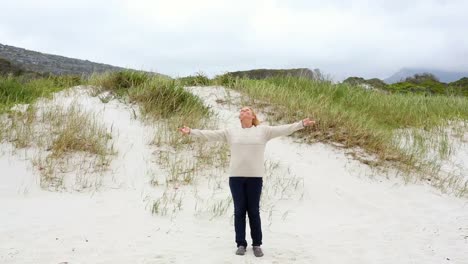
column 284, row 130
column 208, row 135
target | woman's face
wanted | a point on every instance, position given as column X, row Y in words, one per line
column 246, row 114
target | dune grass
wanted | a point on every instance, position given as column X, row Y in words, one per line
column 161, row 100
column 198, row 79
column 371, row 120
column 76, row 131
column 166, row 106
column 158, row 97
column 19, row 90
column 410, row 131
column 63, row 138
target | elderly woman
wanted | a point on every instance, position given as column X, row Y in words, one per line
column 246, row 169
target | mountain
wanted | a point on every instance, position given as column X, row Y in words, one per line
column 443, row 76
column 266, row 73
column 7, row 67
column 28, row 60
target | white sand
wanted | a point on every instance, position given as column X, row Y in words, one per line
column 347, row 213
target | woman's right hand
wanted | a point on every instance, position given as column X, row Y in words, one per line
column 185, row 130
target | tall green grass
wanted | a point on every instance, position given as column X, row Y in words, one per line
column 20, row 90
column 158, row 97
column 26, row 89
column 355, row 117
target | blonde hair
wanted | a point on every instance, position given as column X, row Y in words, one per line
column 255, row 121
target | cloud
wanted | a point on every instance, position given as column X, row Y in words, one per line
column 343, row 38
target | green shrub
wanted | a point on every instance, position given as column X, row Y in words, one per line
column 199, row 79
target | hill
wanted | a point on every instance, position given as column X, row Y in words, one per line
column 259, row 74
column 443, row 76
column 19, row 59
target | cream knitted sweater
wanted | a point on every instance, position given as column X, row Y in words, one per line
column 247, row 145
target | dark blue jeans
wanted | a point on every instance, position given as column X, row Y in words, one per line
column 246, row 193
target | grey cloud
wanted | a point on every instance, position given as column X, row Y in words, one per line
column 379, row 38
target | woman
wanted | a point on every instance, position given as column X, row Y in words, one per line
column 246, row 169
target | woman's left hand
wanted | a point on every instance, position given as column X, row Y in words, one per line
column 308, row 122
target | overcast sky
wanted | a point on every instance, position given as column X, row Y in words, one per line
column 342, row 38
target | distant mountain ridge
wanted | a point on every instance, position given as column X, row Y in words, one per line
column 34, row 61
column 267, row 73
column 443, row 76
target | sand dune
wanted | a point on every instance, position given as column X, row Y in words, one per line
column 339, row 211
